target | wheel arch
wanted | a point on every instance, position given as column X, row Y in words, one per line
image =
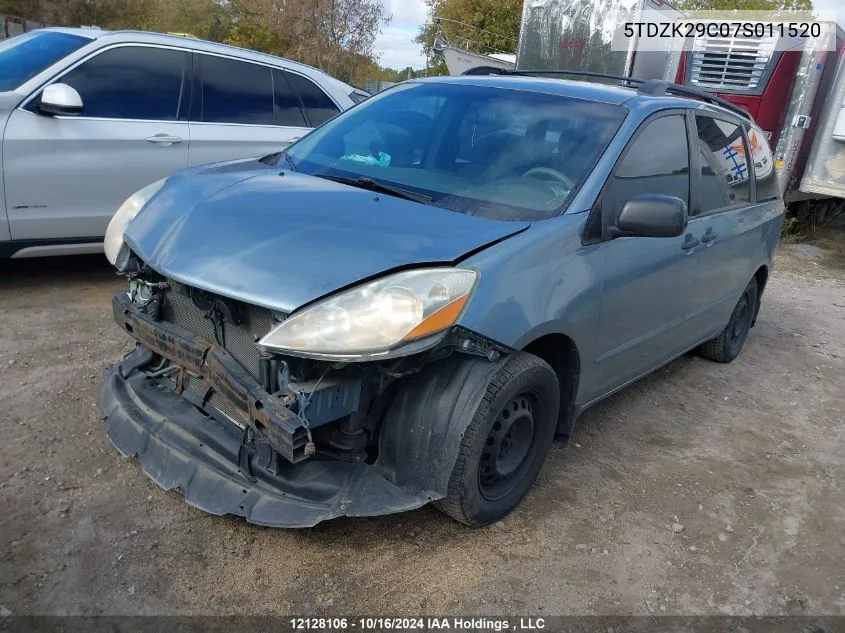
column 561, row 352
column 761, row 276
column 421, row 433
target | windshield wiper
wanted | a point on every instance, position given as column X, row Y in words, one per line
column 364, row 182
column 273, row 159
column 289, row 159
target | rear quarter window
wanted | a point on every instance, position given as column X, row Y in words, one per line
column 318, row 106
column 724, row 178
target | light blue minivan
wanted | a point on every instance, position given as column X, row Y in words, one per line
column 410, row 303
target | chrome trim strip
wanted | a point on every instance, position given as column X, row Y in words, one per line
column 52, row 250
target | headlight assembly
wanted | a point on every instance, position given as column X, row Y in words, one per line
column 370, row 319
column 128, row 210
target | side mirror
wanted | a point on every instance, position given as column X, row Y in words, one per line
column 652, row 215
column 60, row 99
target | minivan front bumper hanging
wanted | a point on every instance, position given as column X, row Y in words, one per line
column 223, row 470
column 283, row 429
column 260, row 471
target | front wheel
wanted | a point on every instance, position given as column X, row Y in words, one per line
column 727, row 346
column 505, row 444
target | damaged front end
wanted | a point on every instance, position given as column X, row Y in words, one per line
column 283, row 440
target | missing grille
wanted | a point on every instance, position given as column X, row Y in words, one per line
column 240, row 340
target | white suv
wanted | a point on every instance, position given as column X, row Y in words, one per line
column 87, row 117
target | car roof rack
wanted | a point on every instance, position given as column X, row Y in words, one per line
column 649, row 87
column 494, row 70
column 658, row 87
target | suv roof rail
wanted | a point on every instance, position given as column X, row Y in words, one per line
column 650, row 87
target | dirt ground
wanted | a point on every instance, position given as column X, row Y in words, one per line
column 749, row 458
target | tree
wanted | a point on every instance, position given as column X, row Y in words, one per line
column 335, row 35
column 745, row 5
column 29, row 9
column 259, row 24
column 491, row 26
column 207, row 19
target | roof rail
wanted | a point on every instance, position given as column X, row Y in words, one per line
column 485, row 70
column 492, row 70
column 650, row 87
column 658, row 87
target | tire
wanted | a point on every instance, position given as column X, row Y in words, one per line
column 727, row 346
column 506, row 443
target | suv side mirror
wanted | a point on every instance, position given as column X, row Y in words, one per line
column 652, row 215
column 60, row 99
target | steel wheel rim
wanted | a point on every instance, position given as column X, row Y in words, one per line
column 508, row 447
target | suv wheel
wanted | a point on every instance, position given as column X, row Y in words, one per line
column 506, row 443
column 727, row 346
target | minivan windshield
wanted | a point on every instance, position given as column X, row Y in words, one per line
column 504, row 154
column 24, row 56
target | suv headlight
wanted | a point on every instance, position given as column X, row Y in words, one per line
column 127, row 211
column 372, row 318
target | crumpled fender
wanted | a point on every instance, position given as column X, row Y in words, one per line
column 422, row 431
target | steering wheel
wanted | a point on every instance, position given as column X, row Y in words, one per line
column 547, row 173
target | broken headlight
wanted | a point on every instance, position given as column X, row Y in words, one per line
column 124, row 215
column 373, row 318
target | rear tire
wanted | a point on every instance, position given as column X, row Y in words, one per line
column 506, row 443
column 727, row 346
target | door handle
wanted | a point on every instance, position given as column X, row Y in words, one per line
column 690, row 242
column 164, row 140
column 709, row 236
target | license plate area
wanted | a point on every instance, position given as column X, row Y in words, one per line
column 265, row 414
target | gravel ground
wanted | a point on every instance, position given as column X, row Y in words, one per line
column 704, row 489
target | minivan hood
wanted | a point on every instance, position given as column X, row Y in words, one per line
column 282, row 240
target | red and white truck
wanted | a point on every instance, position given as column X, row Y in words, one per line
column 796, row 96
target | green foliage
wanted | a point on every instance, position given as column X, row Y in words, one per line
column 744, row 5
column 792, row 231
column 495, row 22
column 396, row 75
column 335, row 35
column 205, row 19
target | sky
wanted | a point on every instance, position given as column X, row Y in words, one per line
column 832, row 5
column 397, row 48
column 396, row 45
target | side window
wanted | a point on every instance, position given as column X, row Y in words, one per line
column 287, row 108
column 317, row 104
column 656, row 162
column 235, row 92
column 725, row 179
column 765, row 174
column 130, row 82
